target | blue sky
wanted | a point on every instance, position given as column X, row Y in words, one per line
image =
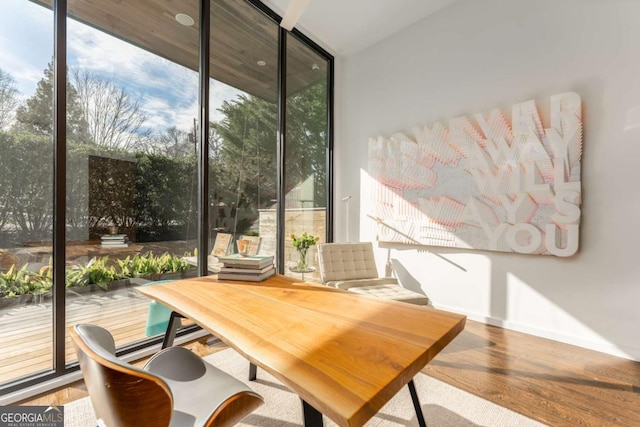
column 167, row 92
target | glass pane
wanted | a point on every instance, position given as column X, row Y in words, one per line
column 243, row 127
column 131, row 158
column 305, row 158
column 26, row 191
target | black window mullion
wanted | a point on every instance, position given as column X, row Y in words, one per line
column 203, row 160
column 280, row 149
column 329, row 159
column 59, row 181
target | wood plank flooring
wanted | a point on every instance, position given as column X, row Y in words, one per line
column 554, row 383
column 25, row 331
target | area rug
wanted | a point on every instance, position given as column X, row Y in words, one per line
column 443, row 405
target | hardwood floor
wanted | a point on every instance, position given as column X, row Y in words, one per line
column 554, row 383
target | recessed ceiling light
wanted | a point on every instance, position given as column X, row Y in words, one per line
column 185, row 20
column 261, row 63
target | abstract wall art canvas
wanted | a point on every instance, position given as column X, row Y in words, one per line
column 481, row 182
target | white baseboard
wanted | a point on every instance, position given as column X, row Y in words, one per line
column 624, row 352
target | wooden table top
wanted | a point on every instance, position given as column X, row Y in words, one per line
column 343, row 353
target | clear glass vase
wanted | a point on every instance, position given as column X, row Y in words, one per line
column 302, row 259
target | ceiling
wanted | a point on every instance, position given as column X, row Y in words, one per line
column 347, row 26
column 244, row 42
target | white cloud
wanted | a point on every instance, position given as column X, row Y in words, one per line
column 26, row 42
column 166, row 91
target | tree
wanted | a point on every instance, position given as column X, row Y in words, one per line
column 243, row 174
column 248, row 153
column 172, row 142
column 306, row 139
column 36, row 116
column 25, row 184
column 113, row 118
column 9, row 100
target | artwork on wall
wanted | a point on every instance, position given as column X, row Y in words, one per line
column 481, row 183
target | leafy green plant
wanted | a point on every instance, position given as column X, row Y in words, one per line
column 96, row 272
column 304, row 241
column 22, row 281
column 141, row 265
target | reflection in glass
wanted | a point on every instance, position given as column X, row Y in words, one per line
column 305, row 151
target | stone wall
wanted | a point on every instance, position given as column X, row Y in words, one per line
column 298, row 220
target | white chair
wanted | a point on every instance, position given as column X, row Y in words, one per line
column 175, row 388
column 352, row 266
column 221, row 247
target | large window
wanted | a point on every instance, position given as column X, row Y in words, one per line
column 305, row 165
column 243, row 125
column 26, row 190
column 133, row 162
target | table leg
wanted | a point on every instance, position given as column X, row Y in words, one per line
column 312, row 417
column 172, row 328
column 253, row 372
column 416, row 404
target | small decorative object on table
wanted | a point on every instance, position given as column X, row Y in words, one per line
column 243, row 247
column 302, row 245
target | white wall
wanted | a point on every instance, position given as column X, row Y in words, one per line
column 470, row 58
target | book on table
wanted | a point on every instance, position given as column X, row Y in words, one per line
column 238, row 270
column 253, row 262
column 248, row 277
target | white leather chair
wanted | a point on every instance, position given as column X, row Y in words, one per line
column 352, row 266
column 175, row 388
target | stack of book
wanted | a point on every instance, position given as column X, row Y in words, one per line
column 253, row 268
column 110, row 241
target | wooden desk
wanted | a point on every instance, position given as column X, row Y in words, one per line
column 343, row 353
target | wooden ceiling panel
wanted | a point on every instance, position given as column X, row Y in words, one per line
column 240, row 37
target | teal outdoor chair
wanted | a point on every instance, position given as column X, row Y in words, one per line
column 158, row 315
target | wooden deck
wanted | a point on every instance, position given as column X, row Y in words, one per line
column 26, row 331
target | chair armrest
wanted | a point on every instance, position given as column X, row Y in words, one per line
column 355, row 283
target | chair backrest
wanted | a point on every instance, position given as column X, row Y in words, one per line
column 346, row 261
column 254, row 244
column 221, row 244
column 121, row 394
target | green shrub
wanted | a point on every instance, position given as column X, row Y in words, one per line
column 21, row 281
column 97, row 271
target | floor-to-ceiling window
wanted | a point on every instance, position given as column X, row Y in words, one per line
column 305, row 168
column 26, row 190
column 243, row 124
column 132, row 150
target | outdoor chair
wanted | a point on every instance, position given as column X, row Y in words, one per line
column 158, row 315
column 221, row 246
column 352, row 266
column 175, row 387
column 254, row 243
